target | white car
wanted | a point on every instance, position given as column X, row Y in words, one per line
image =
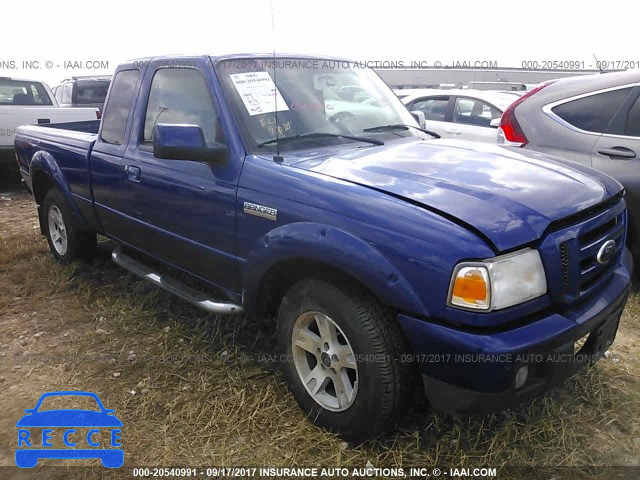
column 461, row 113
column 31, row 102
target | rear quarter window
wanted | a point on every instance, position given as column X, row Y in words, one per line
column 594, row 112
column 116, row 113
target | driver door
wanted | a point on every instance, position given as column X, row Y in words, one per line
column 183, row 211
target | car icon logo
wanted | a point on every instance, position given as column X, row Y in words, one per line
column 606, row 252
column 65, row 427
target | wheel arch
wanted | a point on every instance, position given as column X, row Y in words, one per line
column 41, row 184
column 45, row 175
column 303, row 250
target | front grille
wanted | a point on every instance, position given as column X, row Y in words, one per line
column 574, row 249
column 589, row 245
column 564, row 255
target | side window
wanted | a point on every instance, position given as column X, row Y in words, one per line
column 592, row 113
column 471, row 111
column 434, row 108
column 116, row 112
column 632, row 127
column 38, row 99
column 67, row 89
column 180, row 95
column 21, row 92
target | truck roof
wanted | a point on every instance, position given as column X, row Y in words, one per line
column 230, row 56
column 87, row 77
column 22, row 79
column 270, row 55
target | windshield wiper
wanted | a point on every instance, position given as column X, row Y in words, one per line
column 399, row 126
column 304, row 136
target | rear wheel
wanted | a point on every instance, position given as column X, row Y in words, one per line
column 342, row 358
column 66, row 242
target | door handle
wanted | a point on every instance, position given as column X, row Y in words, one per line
column 617, row 152
column 133, row 173
column 453, row 132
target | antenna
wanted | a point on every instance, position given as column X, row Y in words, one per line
column 277, row 157
column 598, row 64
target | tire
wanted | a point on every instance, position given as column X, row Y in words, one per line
column 66, row 242
column 364, row 354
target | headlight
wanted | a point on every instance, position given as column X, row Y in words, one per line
column 498, row 282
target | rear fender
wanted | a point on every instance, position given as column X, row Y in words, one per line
column 43, row 162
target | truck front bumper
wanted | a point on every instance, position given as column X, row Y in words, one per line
column 467, row 371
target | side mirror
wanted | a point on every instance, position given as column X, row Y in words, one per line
column 185, row 142
column 419, row 116
column 495, row 123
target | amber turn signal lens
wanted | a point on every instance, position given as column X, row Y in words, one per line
column 471, row 288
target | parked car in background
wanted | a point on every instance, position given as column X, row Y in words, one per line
column 460, row 113
column 593, row 120
column 30, row 102
column 347, row 103
column 83, row 92
column 516, row 93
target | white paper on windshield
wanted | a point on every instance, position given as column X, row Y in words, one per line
column 258, row 92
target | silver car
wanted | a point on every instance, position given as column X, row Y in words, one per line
column 459, row 113
column 593, row 120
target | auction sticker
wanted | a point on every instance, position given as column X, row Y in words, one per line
column 259, row 93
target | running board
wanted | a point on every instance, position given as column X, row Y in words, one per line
column 173, row 286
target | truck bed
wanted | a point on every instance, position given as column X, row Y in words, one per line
column 87, row 126
column 73, row 134
column 14, row 116
column 68, row 143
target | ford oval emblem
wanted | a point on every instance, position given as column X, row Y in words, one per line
column 606, row 252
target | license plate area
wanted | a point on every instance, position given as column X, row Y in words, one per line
column 600, row 339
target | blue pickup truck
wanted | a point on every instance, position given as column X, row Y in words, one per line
column 389, row 259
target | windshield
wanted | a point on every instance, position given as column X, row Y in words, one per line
column 19, row 92
column 312, row 96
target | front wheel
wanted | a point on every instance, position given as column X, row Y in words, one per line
column 66, row 241
column 342, row 353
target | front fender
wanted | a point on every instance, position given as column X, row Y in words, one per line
column 43, row 162
column 336, row 248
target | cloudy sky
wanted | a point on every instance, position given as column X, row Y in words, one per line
column 75, row 31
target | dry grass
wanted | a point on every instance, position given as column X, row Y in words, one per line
column 194, row 389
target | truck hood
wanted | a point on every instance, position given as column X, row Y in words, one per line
column 510, row 196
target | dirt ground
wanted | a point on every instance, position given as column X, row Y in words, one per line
column 197, row 390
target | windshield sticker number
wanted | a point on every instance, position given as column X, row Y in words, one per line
column 269, row 124
column 258, row 92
